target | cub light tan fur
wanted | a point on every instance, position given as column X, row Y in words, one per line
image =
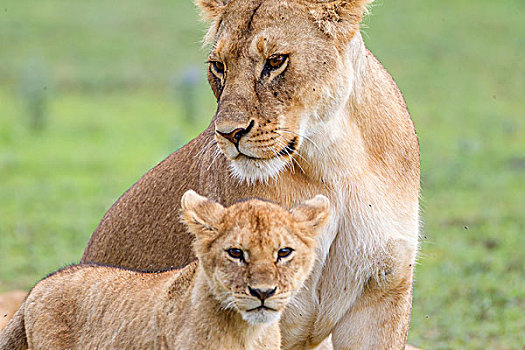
column 303, row 108
column 9, row 303
column 252, row 258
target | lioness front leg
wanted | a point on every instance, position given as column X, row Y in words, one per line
column 379, row 319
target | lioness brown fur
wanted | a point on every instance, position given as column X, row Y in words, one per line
column 252, row 257
column 303, row 108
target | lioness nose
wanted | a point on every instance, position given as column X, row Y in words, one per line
column 262, row 293
column 236, row 135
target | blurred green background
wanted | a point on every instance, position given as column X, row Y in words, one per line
column 95, row 93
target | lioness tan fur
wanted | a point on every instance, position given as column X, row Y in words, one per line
column 303, row 108
column 252, row 257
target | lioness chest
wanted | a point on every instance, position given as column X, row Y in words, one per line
column 360, row 244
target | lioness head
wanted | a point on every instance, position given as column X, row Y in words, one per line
column 276, row 67
column 255, row 254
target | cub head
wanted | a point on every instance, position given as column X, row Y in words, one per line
column 277, row 67
column 255, row 254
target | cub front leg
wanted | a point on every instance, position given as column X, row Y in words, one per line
column 380, row 317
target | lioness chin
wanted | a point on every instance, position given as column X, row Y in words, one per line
column 303, row 108
column 252, row 258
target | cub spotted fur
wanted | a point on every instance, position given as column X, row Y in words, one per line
column 252, row 257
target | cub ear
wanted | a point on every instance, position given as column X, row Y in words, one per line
column 338, row 18
column 200, row 214
column 211, row 9
column 314, row 212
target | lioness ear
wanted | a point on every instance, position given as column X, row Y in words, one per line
column 211, row 9
column 313, row 212
column 200, row 214
column 338, row 18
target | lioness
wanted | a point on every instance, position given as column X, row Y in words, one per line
column 303, row 108
column 252, row 257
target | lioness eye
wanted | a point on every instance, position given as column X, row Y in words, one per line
column 274, row 62
column 235, row 253
column 284, row 252
column 218, row 67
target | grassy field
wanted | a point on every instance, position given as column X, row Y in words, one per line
column 93, row 94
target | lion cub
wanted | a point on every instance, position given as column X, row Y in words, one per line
column 252, row 257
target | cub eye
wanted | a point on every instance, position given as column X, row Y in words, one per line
column 283, row 253
column 236, row 253
column 218, row 67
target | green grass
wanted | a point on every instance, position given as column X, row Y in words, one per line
column 109, row 77
column 57, row 183
column 94, row 44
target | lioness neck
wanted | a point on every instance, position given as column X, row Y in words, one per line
column 213, row 324
column 368, row 131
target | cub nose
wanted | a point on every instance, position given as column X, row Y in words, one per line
column 236, row 135
column 262, row 293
